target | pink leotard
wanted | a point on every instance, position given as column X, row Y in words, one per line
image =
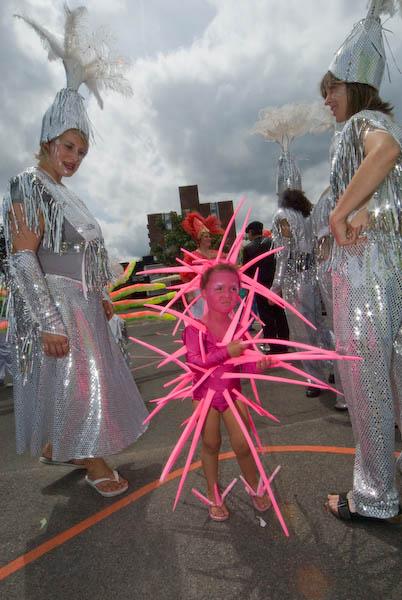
column 214, row 355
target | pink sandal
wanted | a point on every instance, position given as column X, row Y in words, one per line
column 254, row 495
column 219, row 501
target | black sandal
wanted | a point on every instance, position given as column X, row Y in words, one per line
column 344, row 513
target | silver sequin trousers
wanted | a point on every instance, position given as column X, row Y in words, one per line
column 326, row 328
column 86, row 404
column 367, row 294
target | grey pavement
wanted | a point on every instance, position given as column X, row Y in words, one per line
column 144, row 550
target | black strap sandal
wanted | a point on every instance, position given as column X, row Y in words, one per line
column 344, row 513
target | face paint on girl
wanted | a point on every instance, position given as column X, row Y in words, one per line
column 222, row 292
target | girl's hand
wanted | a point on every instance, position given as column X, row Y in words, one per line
column 55, row 345
column 264, row 363
column 235, row 348
column 108, row 308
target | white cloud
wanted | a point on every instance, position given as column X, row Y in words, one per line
column 201, row 72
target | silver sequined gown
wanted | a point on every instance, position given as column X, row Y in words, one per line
column 295, row 277
column 86, row 404
column 367, row 293
column 323, row 242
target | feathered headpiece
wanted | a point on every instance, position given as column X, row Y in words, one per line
column 87, row 58
column 282, row 125
column 195, row 225
column 361, row 58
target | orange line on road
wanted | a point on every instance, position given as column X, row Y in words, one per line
column 24, row 560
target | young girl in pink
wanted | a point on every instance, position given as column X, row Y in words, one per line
column 220, row 287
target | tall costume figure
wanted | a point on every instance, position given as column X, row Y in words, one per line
column 366, row 182
column 73, row 391
column 294, row 277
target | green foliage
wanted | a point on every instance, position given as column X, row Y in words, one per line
column 175, row 238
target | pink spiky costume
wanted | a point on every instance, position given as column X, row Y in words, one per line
column 201, row 372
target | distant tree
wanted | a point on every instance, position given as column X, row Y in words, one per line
column 175, row 238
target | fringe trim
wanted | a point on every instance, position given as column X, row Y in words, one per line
column 29, row 190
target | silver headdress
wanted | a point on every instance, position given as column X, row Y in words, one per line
column 282, row 125
column 87, row 58
column 361, row 58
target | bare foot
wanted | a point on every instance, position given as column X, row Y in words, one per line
column 47, row 453
column 97, row 468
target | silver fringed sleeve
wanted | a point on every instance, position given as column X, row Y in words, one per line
column 27, row 278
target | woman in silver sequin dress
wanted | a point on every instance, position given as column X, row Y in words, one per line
column 295, row 275
column 75, row 397
column 366, row 180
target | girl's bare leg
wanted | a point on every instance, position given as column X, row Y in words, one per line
column 242, row 450
column 211, row 444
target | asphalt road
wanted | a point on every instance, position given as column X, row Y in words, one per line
column 59, row 539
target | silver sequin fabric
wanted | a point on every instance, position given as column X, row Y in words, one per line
column 367, row 293
column 323, row 241
column 295, row 276
column 86, row 404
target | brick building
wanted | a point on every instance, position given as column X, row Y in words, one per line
column 189, row 201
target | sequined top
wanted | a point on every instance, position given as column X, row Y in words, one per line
column 72, row 244
column 385, row 206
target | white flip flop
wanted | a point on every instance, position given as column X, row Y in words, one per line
column 94, row 483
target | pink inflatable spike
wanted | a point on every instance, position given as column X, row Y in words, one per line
column 182, row 440
column 225, row 235
column 228, row 337
column 205, row 404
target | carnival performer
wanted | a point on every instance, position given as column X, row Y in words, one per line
column 220, row 286
column 75, row 399
column 201, row 230
column 215, row 340
column 294, row 275
column 366, row 181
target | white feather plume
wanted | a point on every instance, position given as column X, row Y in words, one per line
column 283, row 124
column 88, row 57
column 322, row 118
column 384, row 7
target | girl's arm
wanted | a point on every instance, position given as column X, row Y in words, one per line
column 381, row 151
column 213, row 357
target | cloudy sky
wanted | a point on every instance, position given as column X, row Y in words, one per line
column 201, row 71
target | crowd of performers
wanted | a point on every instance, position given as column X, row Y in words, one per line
column 75, row 399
